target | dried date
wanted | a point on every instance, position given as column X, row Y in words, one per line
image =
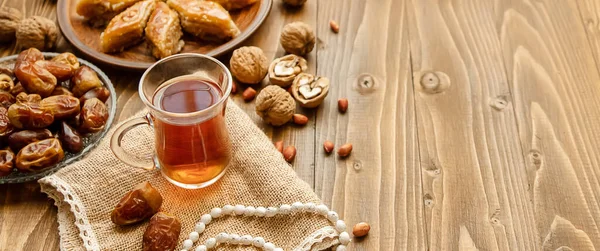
column 17, row 89
column 27, row 113
column 6, row 99
column 7, row 158
column 101, row 93
column 137, row 205
column 61, row 71
column 20, row 139
column 35, row 79
column 61, row 106
column 28, row 56
column 6, row 82
column 59, row 90
column 6, row 128
column 70, row 139
column 68, row 59
column 162, row 233
column 39, row 155
column 94, row 115
column 84, row 80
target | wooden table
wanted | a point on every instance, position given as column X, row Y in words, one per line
column 475, row 123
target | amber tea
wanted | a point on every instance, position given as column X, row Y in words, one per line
column 186, row 95
column 190, row 153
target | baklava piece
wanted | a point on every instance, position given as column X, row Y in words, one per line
column 163, row 31
column 205, row 19
column 127, row 28
column 99, row 12
column 234, row 4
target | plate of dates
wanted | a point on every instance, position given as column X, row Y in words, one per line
column 54, row 109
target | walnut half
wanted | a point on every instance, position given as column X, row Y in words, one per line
column 284, row 70
column 310, row 90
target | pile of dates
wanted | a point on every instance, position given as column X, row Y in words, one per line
column 46, row 108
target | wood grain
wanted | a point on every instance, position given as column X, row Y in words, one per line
column 380, row 182
column 554, row 80
column 503, row 155
column 474, row 175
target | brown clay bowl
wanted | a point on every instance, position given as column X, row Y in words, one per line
column 139, row 57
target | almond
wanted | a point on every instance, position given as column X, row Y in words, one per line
column 361, row 229
column 233, row 88
column 343, row 105
column 289, row 153
column 328, row 146
column 300, row 119
column 334, row 26
column 249, row 94
column 279, row 146
column 345, row 150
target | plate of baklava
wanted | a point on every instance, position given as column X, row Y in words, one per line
column 134, row 34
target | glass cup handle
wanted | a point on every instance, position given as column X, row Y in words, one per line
column 129, row 159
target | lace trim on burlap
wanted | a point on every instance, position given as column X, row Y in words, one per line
column 321, row 239
column 61, row 192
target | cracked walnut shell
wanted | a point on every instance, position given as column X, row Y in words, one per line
column 249, row 64
column 309, row 90
column 275, row 105
column 37, row 32
column 283, row 70
column 297, row 38
column 9, row 21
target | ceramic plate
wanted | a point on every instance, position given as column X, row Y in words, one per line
column 139, row 57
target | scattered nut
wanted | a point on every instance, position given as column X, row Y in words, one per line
column 283, row 70
column 275, row 105
column 345, row 150
column 310, row 90
column 279, row 146
column 248, row 94
column 343, row 105
column 289, row 153
column 37, row 32
column 249, row 64
column 334, row 26
column 294, row 3
column 300, row 119
column 9, row 21
column 361, row 229
column 137, row 205
column 297, row 38
column 328, row 146
column 233, row 88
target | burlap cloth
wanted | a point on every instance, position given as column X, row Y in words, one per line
column 86, row 192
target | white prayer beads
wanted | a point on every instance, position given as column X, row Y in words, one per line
column 259, row 242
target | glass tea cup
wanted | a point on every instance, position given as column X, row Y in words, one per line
column 185, row 95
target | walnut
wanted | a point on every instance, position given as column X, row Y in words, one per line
column 283, row 70
column 294, row 3
column 9, row 21
column 37, row 32
column 249, row 64
column 297, row 38
column 275, row 105
column 309, row 90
